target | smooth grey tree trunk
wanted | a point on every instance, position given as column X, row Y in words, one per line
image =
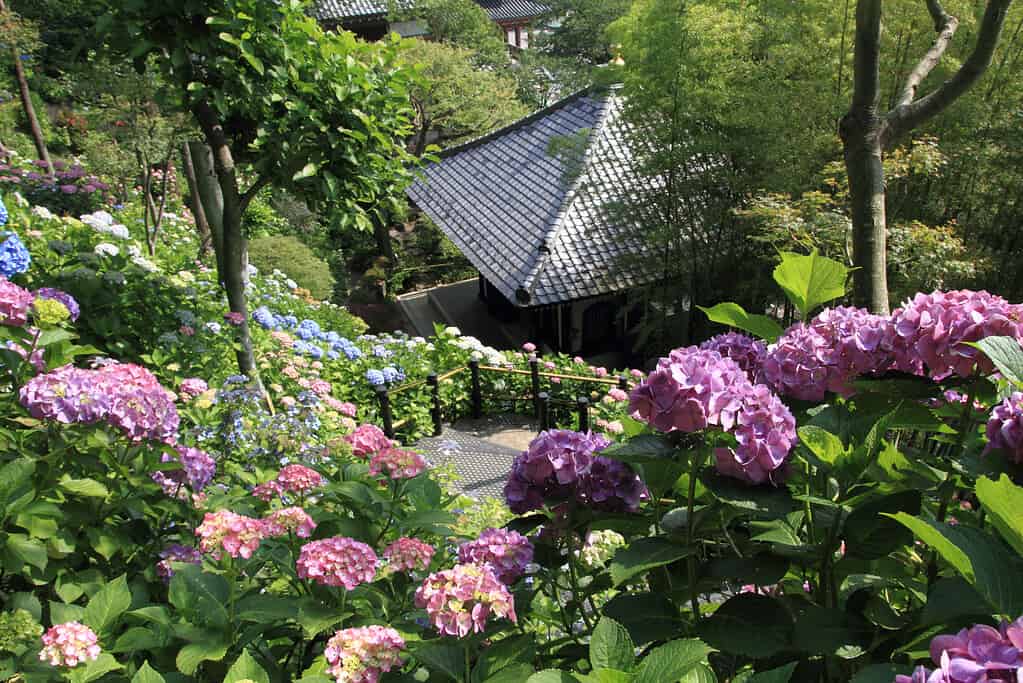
column 202, row 226
column 211, row 198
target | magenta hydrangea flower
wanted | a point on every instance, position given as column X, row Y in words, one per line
column 175, row 553
column 408, row 555
column 15, row 304
column 337, row 561
column 506, row 553
column 747, row 352
column 293, row 519
column 360, row 655
column 299, row 479
column 1005, row 427
column 974, row 655
column 931, row 331
column 268, row 491
column 458, row 601
column 192, row 387
column 69, row 644
column 368, row 439
column 236, row 534
column 396, row 463
column 766, row 432
column 799, row 364
column 561, row 465
column 63, row 297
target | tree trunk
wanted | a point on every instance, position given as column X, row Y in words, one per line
column 863, row 163
column 232, row 253
column 210, row 198
column 202, row 226
column 382, row 235
column 30, row 113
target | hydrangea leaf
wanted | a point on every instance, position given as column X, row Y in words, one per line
column 503, row 655
column 734, row 315
column 611, row 646
column 673, row 660
column 194, row 654
column 880, row 673
column 1007, row 355
column 1003, row 501
column 750, row 625
column 447, row 659
column 810, row 280
column 647, row 616
column 871, row 536
column 701, row 673
column 246, row 668
column 146, row 674
column 783, row 674
column 106, row 606
column 824, row 445
column 95, row 669
column 645, row 554
column 823, row 631
column 204, row 595
column 552, row 676
column 952, row 599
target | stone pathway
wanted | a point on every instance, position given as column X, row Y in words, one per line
column 482, row 451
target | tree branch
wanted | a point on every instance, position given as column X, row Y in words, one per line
column 866, row 56
column 907, row 116
column 945, row 24
column 251, row 193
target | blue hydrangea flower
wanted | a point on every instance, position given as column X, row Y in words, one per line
column 264, row 317
column 332, row 337
column 352, row 352
column 3, row 213
column 375, row 378
column 390, row 374
column 14, row 257
column 332, row 354
column 308, row 329
column 381, row 351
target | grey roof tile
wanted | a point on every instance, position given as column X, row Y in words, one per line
column 499, row 10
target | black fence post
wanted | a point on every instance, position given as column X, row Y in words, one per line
column 431, row 380
column 385, row 410
column 543, row 401
column 583, row 404
column 534, row 376
column 476, row 395
column 623, row 382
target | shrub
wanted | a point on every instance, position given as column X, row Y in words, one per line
column 296, row 260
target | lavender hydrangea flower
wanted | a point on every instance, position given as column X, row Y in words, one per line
column 175, row 553
column 1005, row 427
column 375, row 378
column 507, row 553
column 747, row 352
column 14, row 256
column 63, row 297
column 981, row 653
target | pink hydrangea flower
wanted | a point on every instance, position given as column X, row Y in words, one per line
column 798, row 364
column 408, row 554
column 192, row 387
column 980, row 653
column 187, row 331
column 234, row 318
column 506, row 552
column 1005, row 427
column 458, row 601
column 397, row 463
column 15, row 304
column 197, row 470
column 747, row 352
column 299, row 479
column 360, row 655
column 283, row 339
column 268, row 491
column 320, row 387
column 337, row 561
column 368, row 439
column 529, row 347
column 236, row 534
column 69, row 644
column 294, row 519
column 617, row 395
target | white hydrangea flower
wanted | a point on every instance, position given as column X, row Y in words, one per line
column 145, row 264
column 213, row 327
column 133, row 251
column 97, row 220
column 42, row 212
column 452, row 332
column 106, row 249
column 291, row 284
column 19, row 200
column 117, row 230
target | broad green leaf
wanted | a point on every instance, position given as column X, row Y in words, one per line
column 246, row 668
column 107, row 606
column 880, row 673
column 552, row 676
column 810, row 280
column 61, row 613
column 823, row 631
column 503, row 655
column 642, row 449
column 446, row 659
column 931, row 533
column 307, row 171
column 611, row 647
column 1007, row 355
column 952, row 599
column 672, row 661
column 138, row 639
column 15, row 481
column 871, row 536
column 516, row 673
column 146, row 674
column 825, row 446
column 203, row 594
column 647, row 616
column 780, row 675
column 95, row 669
column 644, row 554
column 87, row 488
column 192, row 655
column 701, row 673
column 750, row 625
column 734, row 315
column 1003, row 501
column 759, row 501
column 20, row 550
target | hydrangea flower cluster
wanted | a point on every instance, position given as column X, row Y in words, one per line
column 562, row 465
column 931, row 331
column 337, row 561
column 197, row 470
column 981, row 653
column 309, row 334
column 396, row 463
column 104, row 223
column 14, row 256
column 3, row 213
column 192, row 387
column 236, row 534
column 747, row 352
column 600, row 547
column 458, row 601
column 299, row 479
column 175, row 553
column 797, row 364
column 367, row 439
column 360, row 655
column 49, row 293
column 127, row 396
column 694, row 389
column 1005, row 427
column 293, row 519
column 69, row 644
column 408, row 554
column 506, row 553
column 15, row 304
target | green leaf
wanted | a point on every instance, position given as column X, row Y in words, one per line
column 951, row 599
column 203, row 594
column 503, row 655
column 880, row 673
column 516, row 673
column 307, row 171
column 1003, row 501
column 780, row 675
column 644, row 554
column 734, row 315
column 446, row 659
column 870, row 535
column 314, row 617
column 810, row 280
column 19, row 550
column 246, row 668
column 759, row 501
column 552, row 676
column 107, row 606
column 138, row 639
column 824, row 445
column 1006, row 354
column 611, row 647
column 146, row 674
column 641, row 449
column 672, row 661
column 95, row 669
column 192, row 655
column 15, row 481
column 87, row 488
column 61, row 613
column 822, row 631
column 265, row 609
column 931, row 533
column 647, row 616
column 750, row 625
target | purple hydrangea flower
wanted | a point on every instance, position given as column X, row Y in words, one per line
column 1005, row 427
column 974, row 655
column 175, row 553
column 747, row 352
column 197, row 470
column 506, row 553
column 63, row 297
column 766, row 432
column 798, row 364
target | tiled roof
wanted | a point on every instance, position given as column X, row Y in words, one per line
column 341, row 10
column 536, row 206
column 500, row 10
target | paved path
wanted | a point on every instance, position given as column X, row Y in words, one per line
column 482, row 451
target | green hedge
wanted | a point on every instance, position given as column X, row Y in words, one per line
column 296, row 260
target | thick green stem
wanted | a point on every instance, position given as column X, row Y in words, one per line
column 697, row 462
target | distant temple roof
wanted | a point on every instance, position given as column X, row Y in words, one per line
column 356, row 10
column 537, row 206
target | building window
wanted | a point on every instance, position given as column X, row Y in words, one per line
column 510, row 34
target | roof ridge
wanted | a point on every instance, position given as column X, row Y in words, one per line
column 525, row 291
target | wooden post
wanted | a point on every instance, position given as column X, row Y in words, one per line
column 385, row 410
column 623, row 382
column 583, row 405
column 543, row 401
column 435, row 405
column 476, row 395
column 534, row 376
